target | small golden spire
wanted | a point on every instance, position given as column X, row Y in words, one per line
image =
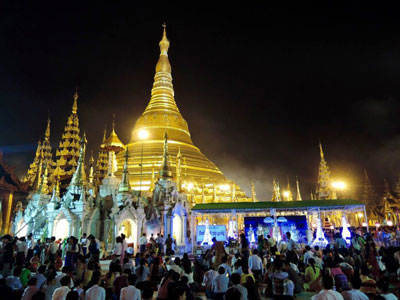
column 105, row 134
column 47, row 132
column 164, row 43
column 321, row 152
column 75, row 105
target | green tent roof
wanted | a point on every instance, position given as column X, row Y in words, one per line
column 285, row 205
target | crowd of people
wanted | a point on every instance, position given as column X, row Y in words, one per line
column 71, row 269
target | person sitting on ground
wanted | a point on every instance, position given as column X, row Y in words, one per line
column 233, row 294
column 13, row 281
column 184, row 283
column 130, row 292
column 355, row 293
column 41, row 279
column 78, row 287
column 327, row 293
column 383, row 287
column 49, row 287
column 120, row 282
column 235, row 278
column 25, row 275
column 312, row 276
column 30, row 290
column 96, row 292
column 61, row 292
column 368, row 285
column 293, row 276
column 281, row 285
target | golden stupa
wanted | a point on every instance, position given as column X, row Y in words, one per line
column 194, row 173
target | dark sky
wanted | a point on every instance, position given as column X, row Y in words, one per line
column 258, row 85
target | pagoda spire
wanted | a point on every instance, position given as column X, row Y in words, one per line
column 124, row 186
column 253, row 192
column 75, row 105
column 298, row 195
column 153, row 179
column 324, row 190
column 47, row 132
column 79, row 178
column 276, row 194
column 69, row 147
column 289, row 194
column 44, row 188
column 178, row 169
column 165, row 171
column 91, row 169
column 162, row 94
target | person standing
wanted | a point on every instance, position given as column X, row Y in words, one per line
column 255, row 264
column 124, row 245
column 53, row 247
column 142, row 243
column 8, row 255
column 31, row 245
column 84, row 244
column 220, row 284
column 22, row 251
column 291, row 248
column 168, row 245
column 30, row 290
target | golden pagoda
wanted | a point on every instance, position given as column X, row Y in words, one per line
column 43, row 156
column 324, row 188
column 68, row 150
column 102, row 161
column 197, row 175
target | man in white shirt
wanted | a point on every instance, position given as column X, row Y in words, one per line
column 225, row 265
column 220, row 284
column 255, row 264
column 327, row 293
column 84, row 242
column 208, row 279
column 355, row 293
column 130, row 292
column 65, row 272
column 53, row 247
column 96, row 292
column 308, row 254
column 61, row 292
column 142, row 243
column 235, row 278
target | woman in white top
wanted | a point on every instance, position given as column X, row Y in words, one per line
column 117, row 248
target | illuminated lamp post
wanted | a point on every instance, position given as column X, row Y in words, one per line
column 338, row 186
column 143, row 135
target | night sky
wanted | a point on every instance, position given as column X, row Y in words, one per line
column 259, row 86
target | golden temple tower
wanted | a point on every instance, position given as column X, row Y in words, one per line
column 102, row 161
column 68, row 150
column 163, row 116
column 44, row 153
column 324, row 189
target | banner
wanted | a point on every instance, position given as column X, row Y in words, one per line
column 217, row 231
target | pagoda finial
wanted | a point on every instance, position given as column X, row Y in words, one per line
column 165, row 171
column 253, row 192
column 75, row 105
column 298, row 196
column 47, row 132
column 321, row 152
column 113, row 123
column 79, row 177
column 124, row 186
column 105, row 134
column 164, row 43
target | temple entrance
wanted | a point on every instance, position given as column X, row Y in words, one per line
column 129, row 228
column 61, row 229
column 177, row 229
